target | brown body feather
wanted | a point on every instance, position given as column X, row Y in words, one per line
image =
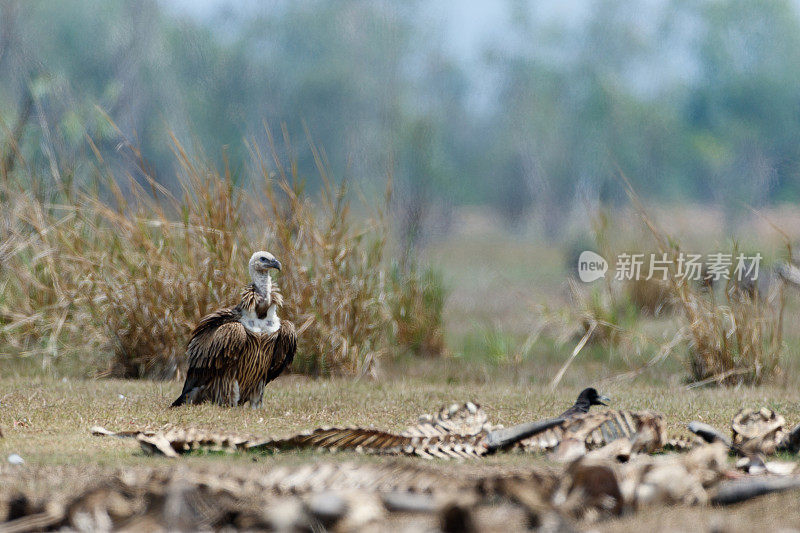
column 229, row 364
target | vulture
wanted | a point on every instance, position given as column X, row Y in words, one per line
column 587, row 398
column 235, row 351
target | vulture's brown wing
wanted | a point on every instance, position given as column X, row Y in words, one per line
column 217, row 341
column 214, row 349
column 283, row 349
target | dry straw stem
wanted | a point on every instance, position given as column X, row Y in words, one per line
column 560, row 374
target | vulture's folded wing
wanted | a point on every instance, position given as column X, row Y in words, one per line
column 283, row 349
column 217, row 341
column 214, row 349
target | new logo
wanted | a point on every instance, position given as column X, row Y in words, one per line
column 591, row 266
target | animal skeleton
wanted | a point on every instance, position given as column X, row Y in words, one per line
column 457, row 431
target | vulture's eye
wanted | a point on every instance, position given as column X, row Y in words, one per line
column 263, row 259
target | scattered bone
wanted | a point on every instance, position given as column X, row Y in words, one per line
column 569, row 449
column 285, row 499
column 348, row 496
column 758, row 431
column 781, row 468
column 753, row 464
column 347, row 511
column 757, row 465
column 409, row 502
column 754, row 432
column 593, row 488
column 619, row 450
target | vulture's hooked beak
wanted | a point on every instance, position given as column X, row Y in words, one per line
column 602, row 399
column 274, row 263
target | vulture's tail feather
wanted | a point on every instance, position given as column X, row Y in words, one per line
column 188, row 386
column 180, row 401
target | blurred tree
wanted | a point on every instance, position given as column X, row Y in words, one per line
column 690, row 100
column 513, row 195
column 743, row 110
column 73, row 64
column 569, row 109
column 423, row 174
column 335, row 69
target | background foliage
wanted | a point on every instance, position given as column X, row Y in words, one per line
column 693, row 99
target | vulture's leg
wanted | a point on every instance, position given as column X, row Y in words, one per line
column 234, row 394
column 256, row 395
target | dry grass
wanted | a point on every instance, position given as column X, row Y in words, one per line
column 733, row 340
column 112, row 278
column 604, row 310
column 738, row 340
column 42, row 274
column 334, row 270
column 730, row 338
column 418, row 308
column 651, row 297
column 611, row 308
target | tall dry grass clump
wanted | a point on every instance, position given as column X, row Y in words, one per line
column 611, row 308
column 113, row 277
column 161, row 261
column 652, row 297
column 734, row 339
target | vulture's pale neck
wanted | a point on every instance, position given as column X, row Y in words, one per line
column 262, row 282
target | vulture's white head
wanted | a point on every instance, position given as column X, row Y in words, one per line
column 260, row 264
column 263, row 262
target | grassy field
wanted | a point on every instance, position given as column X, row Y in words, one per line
column 46, row 421
column 502, row 289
